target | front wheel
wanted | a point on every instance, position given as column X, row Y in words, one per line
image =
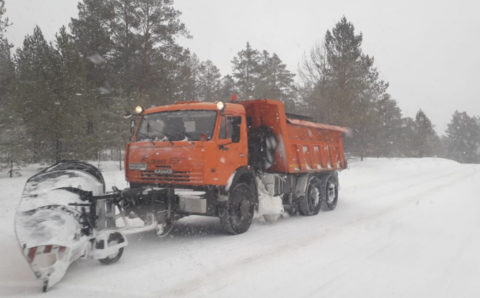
column 237, row 215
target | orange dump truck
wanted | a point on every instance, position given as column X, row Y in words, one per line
column 221, row 159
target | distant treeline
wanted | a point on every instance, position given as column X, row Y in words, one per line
column 64, row 99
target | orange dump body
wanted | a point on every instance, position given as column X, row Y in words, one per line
column 303, row 146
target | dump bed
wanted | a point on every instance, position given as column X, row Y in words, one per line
column 301, row 145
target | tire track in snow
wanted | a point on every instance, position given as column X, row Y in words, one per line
column 264, row 255
column 453, row 261
column 394, row 186
column 221, row 274
column 406, row 175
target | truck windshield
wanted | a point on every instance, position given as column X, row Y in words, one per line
column 185, row 125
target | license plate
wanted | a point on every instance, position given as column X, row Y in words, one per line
column 163, row 171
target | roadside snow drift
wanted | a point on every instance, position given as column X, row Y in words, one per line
column 402, row 228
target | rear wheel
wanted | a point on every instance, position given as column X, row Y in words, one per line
column 237, row 215
column 311, row 203
column 330, row 192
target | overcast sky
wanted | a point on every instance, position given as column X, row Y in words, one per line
column 429, row 51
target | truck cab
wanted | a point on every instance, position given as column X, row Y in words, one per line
column 189, row 144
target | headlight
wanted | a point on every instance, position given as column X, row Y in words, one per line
column 137, row 166
column 139, row 109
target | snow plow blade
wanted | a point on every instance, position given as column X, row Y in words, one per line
column 54, row 224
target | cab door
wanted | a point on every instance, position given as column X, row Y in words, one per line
column 232, row 146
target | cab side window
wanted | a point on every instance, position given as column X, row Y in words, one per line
column 235, row 128
column 223, row 128
column 230, row 128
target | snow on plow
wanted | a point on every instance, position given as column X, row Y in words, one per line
column 56, row 223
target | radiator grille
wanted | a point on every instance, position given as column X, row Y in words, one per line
column 176, row 177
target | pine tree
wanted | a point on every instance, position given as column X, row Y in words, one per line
column 275, row 80
column 91, row 33
column 388, row 130
column 227, row 88
column 12, row 131
column 426, row 140
column 261, row 75
column 6, row 63
column 144, row 35
column 124, row 27
column 159, row 26
column 246, row 71
column 4, row 22
column 463, row 138
column 407, row 138
column 91, row 29
column 92, row 37
column 131, row 58
column 38, row 97
column 80, row 138
column 208, row 81
column 343, row 85
column 187, row 79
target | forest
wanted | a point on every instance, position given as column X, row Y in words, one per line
column 66, row 98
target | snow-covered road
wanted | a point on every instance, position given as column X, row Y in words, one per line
column 402, row 228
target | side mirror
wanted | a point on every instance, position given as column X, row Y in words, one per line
column 132, row 127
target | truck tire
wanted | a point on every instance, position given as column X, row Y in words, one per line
column 330, row 192
column 311, row 202
column 237, row 215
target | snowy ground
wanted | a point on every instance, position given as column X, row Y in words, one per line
column 402, row 228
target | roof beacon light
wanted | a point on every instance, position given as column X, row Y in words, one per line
column 138, row 109
column 220, row 106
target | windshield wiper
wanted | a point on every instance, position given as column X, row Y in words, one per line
column 143, row 136
column 168, row 139
column 146, row 137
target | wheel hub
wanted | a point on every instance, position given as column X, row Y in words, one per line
column 244, row 209
column 331, row 191
column 314, row 196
